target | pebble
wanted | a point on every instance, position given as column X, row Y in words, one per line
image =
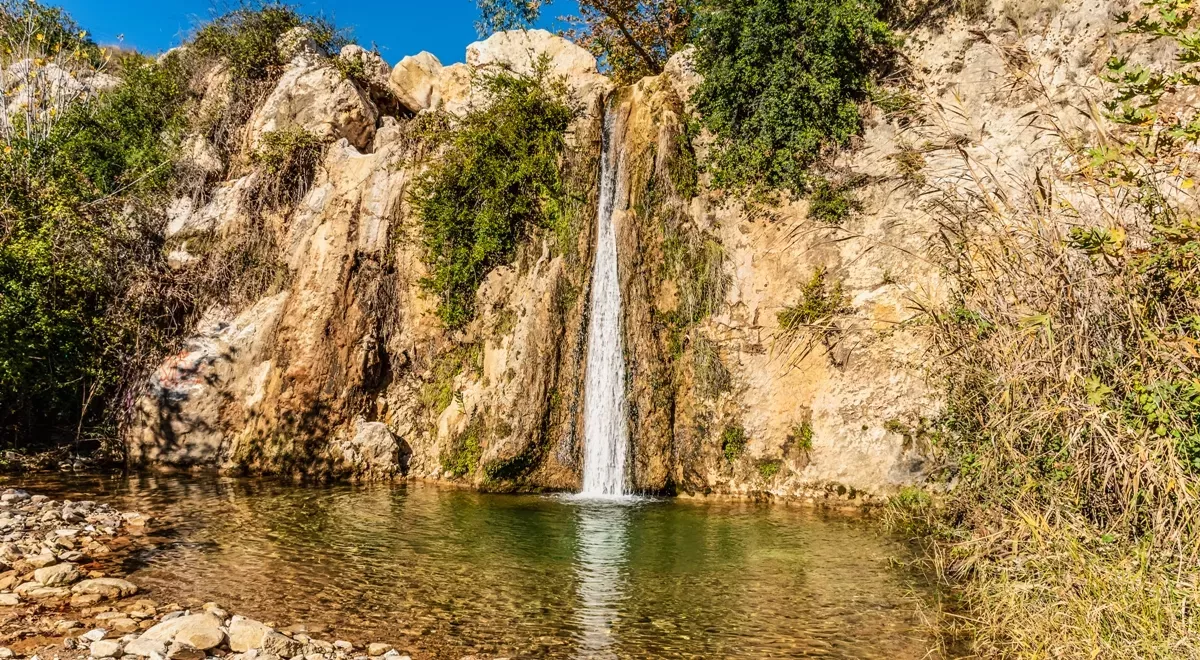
column 5, row 653
column 94, row 635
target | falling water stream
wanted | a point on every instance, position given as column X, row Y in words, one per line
column 606, row 436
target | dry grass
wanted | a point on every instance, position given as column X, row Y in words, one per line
column 1070, row 438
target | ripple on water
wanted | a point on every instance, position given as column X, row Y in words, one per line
column 450, row 572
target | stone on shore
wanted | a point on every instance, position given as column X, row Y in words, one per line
column 281, row 645
column 202, row 631
column 9, row 600
column 108, row 588
column 376, row 649
column 246, row 634
column 56, row 575
column 181, row 651
column 105, row 648
column 144, row 648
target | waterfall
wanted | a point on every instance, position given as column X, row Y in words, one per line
column 605, row 434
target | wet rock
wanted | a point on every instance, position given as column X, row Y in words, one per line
column 109, row 588
column 56, row 575
column 105, row 648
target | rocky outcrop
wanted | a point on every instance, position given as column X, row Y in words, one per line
column 343, row 369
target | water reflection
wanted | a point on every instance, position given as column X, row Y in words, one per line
column 600, row 568
column 444, row 574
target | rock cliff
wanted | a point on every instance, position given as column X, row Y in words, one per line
column 342, row 368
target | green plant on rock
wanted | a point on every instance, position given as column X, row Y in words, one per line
column 246, row 38
column 437, row 394
column 465, row 451
column 782, row 81
column 801, row 436
column 769, row 469
column 733, row 442
column 830, row 204
column 497, row 182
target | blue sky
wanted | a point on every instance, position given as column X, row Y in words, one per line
column 397, row 27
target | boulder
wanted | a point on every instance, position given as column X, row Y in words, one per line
column 56, row 575
column 38, row 592
column 520, row 51
column 416, row 81
column 313, row 95
column 202, row 631
column 144, row 648
column 373, row 451
column 105, row 648
column 246, row 634
column 375, row 73
column 106, row 588
column 280, row 645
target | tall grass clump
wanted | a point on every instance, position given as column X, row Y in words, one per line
column 497, row 183
column 1069, row 357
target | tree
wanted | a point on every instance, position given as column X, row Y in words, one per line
column 634, row 37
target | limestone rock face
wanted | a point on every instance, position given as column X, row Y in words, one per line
column 343, row 368
column 312, row 94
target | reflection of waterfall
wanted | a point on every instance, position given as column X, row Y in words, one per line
column 605, row 434
column 599, row 567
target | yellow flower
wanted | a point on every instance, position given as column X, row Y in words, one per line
column 1187, row 184
column 40, row 37
column 83, row 34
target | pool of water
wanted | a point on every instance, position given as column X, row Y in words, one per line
column 445, row 573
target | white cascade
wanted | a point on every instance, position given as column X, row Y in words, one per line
column 605, row 431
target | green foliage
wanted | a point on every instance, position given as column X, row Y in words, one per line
column 465, row 451
column 782, row 80
column 767, row 469
column 438, row 392
column 76, row 234
column 289, row 158
column 830, row 204
column 733, row 442
column 819, row 301
column 59, row 34
column 496, row 184
column 802, row 436
column 246, row 38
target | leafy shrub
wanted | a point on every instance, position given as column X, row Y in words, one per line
column 769, row 468
column 802, row 436
column 782, row 80
column 733, row 442
column 830, row 204
column 465, row 451
column 497, row 183
column 246, row 38
column 78, row 231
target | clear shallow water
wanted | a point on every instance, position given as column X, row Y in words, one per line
column 445, row 573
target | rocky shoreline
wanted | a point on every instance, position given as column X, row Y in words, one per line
column 60, row 597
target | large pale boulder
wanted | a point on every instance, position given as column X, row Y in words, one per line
column 521, row 51
column 313, row 95
column 375, row 73
column 420, row 82
column 246, row 634
column 202, row 631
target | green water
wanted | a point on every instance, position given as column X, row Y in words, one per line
column 446, row 573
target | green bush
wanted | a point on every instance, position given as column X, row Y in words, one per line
column 830, row 204
column 782, row 80
column 76, row 216
column 246, row 38
column 819, row 301
column 733, row 442
column 497, row 183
